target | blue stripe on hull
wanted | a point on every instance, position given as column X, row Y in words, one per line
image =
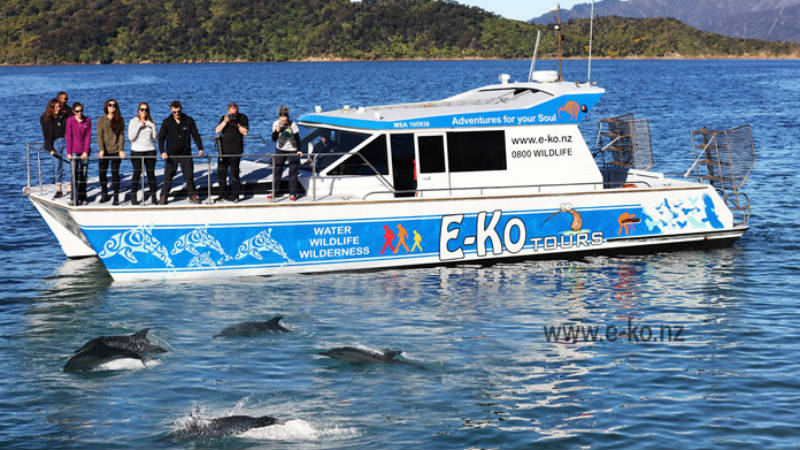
column 152, row 248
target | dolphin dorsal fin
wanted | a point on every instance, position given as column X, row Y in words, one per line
column 275, row 320
column 142, row 333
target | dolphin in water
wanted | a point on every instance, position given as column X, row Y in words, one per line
column 252, row 328
column 98, row 355
column 355, row 355
column 107, row 349
column 136, row 342
column 224, row 426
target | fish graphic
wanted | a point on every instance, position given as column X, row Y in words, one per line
column 199, row 238
column 136, row 240
column 262, row 242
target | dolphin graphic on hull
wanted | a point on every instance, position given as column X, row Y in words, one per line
column 199, row 238
column 261, row 242
column 136, row 240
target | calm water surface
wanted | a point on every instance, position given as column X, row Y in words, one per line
column 490, row 377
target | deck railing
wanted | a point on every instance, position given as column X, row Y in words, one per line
column 269, row 159
column 262, row 158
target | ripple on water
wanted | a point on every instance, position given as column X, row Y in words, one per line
column 490, row 379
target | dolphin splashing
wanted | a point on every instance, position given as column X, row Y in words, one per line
column 199, row 238
column 262, row 242
column 136, row 240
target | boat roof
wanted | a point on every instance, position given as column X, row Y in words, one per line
column 501, row 105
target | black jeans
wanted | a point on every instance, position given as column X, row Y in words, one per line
column 225, row 162
column 114, row 161
column 281, row 158
column 187, row 169
column 80, row 168
column 150, row 168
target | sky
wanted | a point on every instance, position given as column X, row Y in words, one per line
column 520, row 9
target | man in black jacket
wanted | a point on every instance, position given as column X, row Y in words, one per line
column 175, row 134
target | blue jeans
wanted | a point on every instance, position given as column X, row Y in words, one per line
column 58, row 160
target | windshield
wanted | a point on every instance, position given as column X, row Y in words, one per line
column 329, row 145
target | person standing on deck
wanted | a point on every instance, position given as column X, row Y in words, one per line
column 79, row 140
column 143, row 136
column 54, row 124
column 286, row 134
column 175, row 140
column 111, row 146
column 233, row 127
column 63, row 98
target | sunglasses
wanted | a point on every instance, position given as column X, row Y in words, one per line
column 112, row 105
column 77, row 111
column 176, row 112
column 143, row 109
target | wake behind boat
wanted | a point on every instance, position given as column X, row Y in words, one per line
column 501, row 171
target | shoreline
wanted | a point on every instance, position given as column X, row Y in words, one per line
column 670, row 57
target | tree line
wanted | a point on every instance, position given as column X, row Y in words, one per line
column 130, row 31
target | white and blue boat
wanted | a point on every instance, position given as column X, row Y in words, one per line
column 499, row 172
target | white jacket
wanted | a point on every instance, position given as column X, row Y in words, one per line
column 142, row 139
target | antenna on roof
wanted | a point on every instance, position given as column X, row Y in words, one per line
column 591, row 23
column 535, row 51
column 557, row 27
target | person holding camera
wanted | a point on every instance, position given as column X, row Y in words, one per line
column 232, row 127
column 175, row 140
column 286, row 134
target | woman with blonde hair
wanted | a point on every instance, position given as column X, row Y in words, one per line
column 143, row 136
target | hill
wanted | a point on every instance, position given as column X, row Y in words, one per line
column 128, row 31
column 772, row 20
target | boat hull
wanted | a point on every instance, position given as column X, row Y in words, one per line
column 184, row 242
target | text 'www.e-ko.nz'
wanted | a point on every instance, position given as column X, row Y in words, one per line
column 636, row 333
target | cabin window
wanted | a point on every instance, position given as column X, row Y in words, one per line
column 339, row 142
column 474, row 151
column 431, row 154
column 374, row 152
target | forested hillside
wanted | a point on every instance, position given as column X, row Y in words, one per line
column 105, row 31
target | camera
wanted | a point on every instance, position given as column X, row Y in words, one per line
column 233, row 119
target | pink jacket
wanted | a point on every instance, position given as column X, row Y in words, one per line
column 78, row 135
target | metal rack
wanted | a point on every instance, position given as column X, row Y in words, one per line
column 629, row 142
column 725, row 158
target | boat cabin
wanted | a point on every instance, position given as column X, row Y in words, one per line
column 507, row 138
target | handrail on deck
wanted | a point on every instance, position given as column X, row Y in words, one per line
column 312, row 158
column 482, row 188
column 207, row 156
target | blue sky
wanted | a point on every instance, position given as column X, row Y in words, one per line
column 520, row 9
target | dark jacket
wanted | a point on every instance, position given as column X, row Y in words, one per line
column 231, row 140
column 53, row 130
column 177, row 136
